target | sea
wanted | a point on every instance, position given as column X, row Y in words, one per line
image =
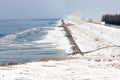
column 26, row 40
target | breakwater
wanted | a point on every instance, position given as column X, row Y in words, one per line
column 75, row 47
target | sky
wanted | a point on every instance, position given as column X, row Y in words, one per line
column 39, row 9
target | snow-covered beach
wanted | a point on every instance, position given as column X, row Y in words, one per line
column 101, row 61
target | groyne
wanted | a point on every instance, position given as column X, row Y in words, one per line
column 75, row 47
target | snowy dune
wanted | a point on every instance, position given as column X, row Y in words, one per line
column 101, row 60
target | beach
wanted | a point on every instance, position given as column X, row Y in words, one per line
column 100, row 46
column 81, row 68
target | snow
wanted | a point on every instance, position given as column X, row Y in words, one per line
column 101, row 60
column 75, row 69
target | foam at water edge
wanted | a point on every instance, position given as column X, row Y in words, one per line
column 57, row 37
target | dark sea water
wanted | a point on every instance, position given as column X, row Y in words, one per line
column 8, row 26
column 25, row 40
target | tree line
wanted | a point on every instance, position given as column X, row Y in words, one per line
column 111, row 19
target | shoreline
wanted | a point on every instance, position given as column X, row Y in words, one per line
column 99, row 65
column 75, row 48
column 41, row 60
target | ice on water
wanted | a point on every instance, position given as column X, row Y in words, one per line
column 34, row 43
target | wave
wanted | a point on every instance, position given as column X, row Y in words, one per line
column 40, row 36
column 35, row 43
column 36, row 38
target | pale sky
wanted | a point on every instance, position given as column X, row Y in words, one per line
column 32, row 9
